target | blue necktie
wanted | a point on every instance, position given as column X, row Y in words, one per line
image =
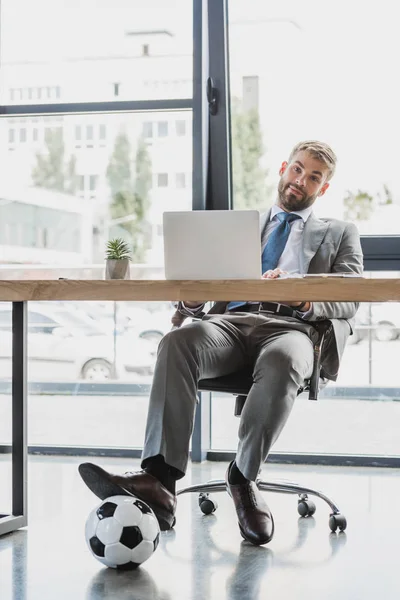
column 275, row 246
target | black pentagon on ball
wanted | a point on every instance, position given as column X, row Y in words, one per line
column 155, row 543
column 129, row 566
column 97, row 546
column 131, row 537
column 106, row 510
column 142, row 507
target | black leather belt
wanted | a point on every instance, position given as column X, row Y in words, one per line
column 267, row 307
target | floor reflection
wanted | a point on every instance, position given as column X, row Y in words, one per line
column 124, row 585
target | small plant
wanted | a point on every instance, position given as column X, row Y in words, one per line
column 117, row 249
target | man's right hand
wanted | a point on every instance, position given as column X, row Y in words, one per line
column 273, row 274
column 192, row 303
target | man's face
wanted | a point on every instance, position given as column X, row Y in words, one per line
column 302, row 181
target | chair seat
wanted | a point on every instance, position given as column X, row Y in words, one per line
column 236, row 383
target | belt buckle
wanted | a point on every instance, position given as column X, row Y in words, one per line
column 272, row 312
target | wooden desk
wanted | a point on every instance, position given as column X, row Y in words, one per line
column 20, row 292
column 322, row 288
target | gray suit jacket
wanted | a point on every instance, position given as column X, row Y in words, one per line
column 329, row 246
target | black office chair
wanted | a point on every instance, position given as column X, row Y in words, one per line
column 239, row 384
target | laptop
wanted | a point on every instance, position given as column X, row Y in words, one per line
column 212, row 244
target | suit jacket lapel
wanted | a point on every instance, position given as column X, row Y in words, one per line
column 313, row 234
column 264, row 220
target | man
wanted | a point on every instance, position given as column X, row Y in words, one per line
column 275, row 339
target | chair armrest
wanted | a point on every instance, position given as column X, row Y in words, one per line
column 323, row 327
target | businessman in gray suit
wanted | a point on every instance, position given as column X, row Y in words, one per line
column 276, row 339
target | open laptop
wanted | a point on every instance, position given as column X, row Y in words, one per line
column 212, row 244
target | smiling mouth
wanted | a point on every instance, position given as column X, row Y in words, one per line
column 295, row 191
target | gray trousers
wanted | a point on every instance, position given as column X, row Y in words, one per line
column 280, row 351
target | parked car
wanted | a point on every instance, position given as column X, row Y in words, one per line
column 65, row 344
column 382, row 319
column 130, row 318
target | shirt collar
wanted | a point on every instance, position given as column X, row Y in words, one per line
column 304, row 214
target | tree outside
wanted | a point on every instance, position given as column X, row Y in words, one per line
column 53, row 171
column 250, row 187
column 360, row 205
column 130, row 184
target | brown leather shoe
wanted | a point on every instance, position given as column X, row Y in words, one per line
column 141, row 484
column 256, row 522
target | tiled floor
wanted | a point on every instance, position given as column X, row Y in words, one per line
column 204, row 558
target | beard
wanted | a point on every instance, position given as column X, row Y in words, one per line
column 290, row 201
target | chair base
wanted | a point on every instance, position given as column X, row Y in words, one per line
column 305, row 506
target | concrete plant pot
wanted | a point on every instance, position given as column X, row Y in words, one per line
column 118, row 269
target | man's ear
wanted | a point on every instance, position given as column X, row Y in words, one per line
column 283, row 167
column 323, row 189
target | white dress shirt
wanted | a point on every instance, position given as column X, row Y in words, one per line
column 290, row 258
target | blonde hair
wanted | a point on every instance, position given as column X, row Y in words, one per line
column 318, row 150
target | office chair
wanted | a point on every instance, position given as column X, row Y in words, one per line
column 239, row 384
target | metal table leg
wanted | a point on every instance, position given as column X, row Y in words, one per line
column 18, row 518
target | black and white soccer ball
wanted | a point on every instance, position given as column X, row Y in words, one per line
column 122, row 532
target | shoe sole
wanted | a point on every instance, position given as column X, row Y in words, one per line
column 96, row 480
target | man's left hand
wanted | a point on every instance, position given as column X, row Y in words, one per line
column 274, row 274
column 305, row 308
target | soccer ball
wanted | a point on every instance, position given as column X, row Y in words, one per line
column 122, row 532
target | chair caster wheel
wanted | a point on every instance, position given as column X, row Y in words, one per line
column 306, row 508
column 207, row 504
column 337, row 522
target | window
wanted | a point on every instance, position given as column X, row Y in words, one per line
column 87, row 67
column 162, row 180
column 93, row 182
column 180, row 179
column 147, row 129
column 365, row 188
column 11, row 135
column 102, row 132
column 162, row 128
column 180, row 128
column 89, row 132
column 78, row 133
column 22, row 134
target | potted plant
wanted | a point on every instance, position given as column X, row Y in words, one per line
column 117, row 259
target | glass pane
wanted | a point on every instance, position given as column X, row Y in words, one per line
column 89, row 369
column 95, row 51
column 296, row 75
column 85, row 180
column 90, row 372
column 89, row 178
column 357, row 414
